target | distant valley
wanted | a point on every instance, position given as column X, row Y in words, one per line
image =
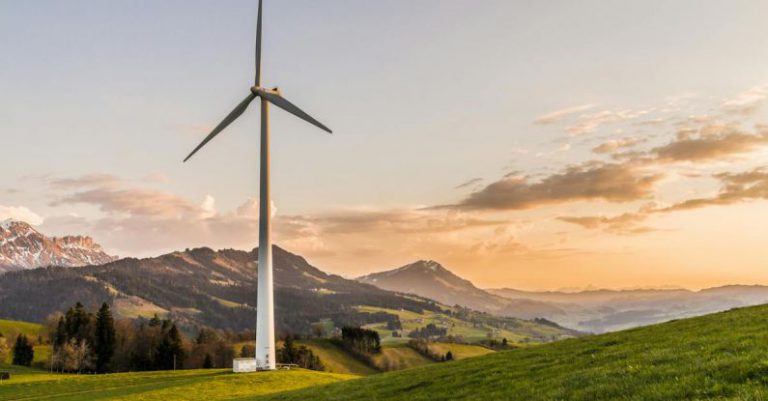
column 594, row 311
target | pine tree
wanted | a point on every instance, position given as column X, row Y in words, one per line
column 104, row 340
column 77, row 323
column 155, row 321
column 288, row 352
column 170, row 352
column 60, row 337
column 208, row 362
column 23, row 353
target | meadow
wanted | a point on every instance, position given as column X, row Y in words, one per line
column 11, row 328
column 723, row 356
column 183, row 385
column 525, row 332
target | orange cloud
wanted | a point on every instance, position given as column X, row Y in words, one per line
column 611, row 182
column 710, row 142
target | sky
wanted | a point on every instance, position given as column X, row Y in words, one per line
column 533, row 145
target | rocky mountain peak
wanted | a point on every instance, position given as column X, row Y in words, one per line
column 23, row 247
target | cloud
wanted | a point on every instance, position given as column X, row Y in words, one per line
column 20, row 213
column 208, row 207
column 250, row 209
column 156, row 178
column 469, row 183
column 735, row 188
column 627, row 223
column 135, row 202
column 709, row 142
column 613, row 145
column 610, row 182
column 145, row 222
column 746, row 102
column 559, row 115
column 400, row 221
column 588, row 123
column 85, row 181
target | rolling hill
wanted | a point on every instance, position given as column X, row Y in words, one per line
column 203, row 287
column 12, row 328
column 718, row 356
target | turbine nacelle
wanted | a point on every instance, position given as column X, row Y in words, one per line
column 258, row 90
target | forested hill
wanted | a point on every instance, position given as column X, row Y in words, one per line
column 206, row 287
column 199, row 286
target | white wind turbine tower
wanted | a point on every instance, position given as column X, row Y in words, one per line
column 265, row 324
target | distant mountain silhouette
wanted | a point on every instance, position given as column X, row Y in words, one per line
column 610, row 310
column 590, row 311
column 430, row 279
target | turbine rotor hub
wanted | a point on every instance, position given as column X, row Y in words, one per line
column 256, row 90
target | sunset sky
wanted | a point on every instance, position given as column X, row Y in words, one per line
column 525, row 144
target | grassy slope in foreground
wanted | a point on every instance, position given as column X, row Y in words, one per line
column 189, row 385
column 719, row 356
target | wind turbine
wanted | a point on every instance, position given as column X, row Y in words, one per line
column 265, row 322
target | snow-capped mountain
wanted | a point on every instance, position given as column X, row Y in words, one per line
column 23, row 247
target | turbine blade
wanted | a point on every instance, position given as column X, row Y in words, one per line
column 258, row 47
column 233, row 115
column 284, row 104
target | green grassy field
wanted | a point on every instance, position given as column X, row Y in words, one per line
column 184, row 385
column 460, row 351
column 456, row 327
column 722, row 356
column 399, row 356
column 12, row 328
column 337, row 360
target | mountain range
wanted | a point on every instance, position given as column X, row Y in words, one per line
column 203, row 287
column 44, row 275
column 593, row 311
column 23, row 247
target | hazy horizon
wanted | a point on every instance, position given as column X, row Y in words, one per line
column 523, row 145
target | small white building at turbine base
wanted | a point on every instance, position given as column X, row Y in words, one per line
column 244, row 365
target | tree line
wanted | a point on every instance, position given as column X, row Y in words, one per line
column 90, row 342
column 424, row 347
column 361, row 343
column 429, row 331
column 95, row 342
